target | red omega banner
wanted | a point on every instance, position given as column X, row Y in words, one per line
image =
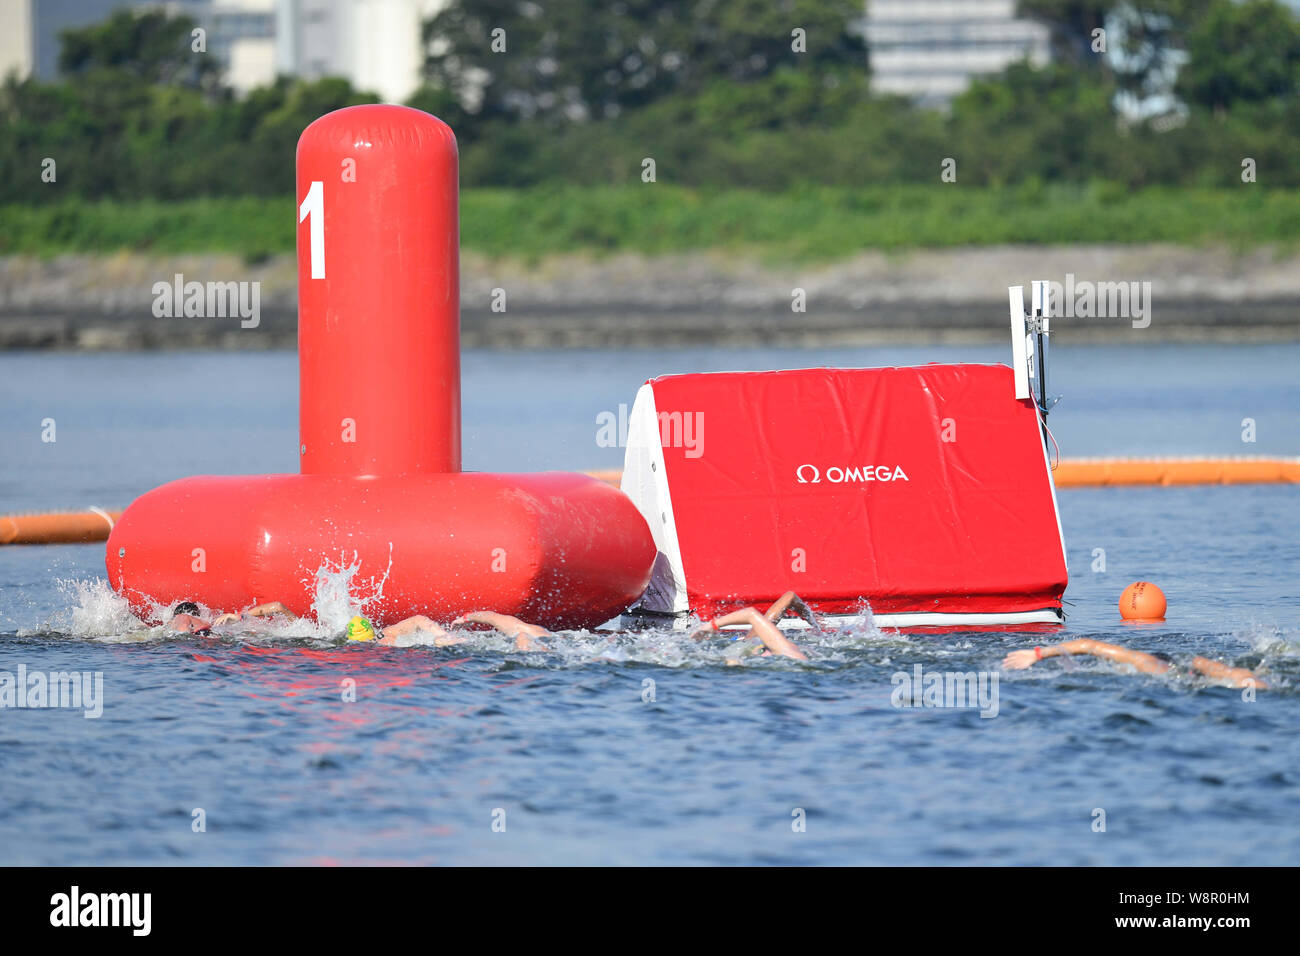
column 924, row 493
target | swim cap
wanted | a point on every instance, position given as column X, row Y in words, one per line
column 360, row 629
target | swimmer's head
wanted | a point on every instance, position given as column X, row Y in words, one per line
column 1160, row 656
column 360, row 629
column 185, row 617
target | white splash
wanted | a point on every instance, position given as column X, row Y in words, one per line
column 96, row 609
column 1268, row 639
column 334, row 587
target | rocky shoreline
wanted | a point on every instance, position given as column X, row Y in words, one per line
column 1178, row 294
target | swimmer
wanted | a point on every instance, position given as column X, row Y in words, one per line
column 1140, row 661
column 527, row 637
column 185, row 617
column 763, row 626
column 361, row 629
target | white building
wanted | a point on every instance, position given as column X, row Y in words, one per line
column 374, row 43
column 29, row 32
column 240, row 33
column 17, row 51
column 931, row 49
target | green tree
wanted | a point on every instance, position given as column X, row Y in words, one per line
column 149, row 45
column 1026, row 124
column 1245, row 53
column 1144, row 39
column 573, row 59
column 1071, row 24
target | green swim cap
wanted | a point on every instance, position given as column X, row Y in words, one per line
column 360, row 629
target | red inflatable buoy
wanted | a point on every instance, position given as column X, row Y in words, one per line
column 379, row 423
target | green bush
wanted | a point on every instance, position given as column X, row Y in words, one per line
column 806, row 223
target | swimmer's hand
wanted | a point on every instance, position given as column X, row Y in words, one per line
column 707, row 629
column 1019, row 660
column 227, row 618
column 805, row 612
column 526, row 644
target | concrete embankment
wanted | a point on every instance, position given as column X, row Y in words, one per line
column 1143, row 293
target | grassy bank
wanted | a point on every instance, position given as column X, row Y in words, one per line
column 809, row 225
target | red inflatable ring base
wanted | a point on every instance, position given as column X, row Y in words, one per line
column 563, row 550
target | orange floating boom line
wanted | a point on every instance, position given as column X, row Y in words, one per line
column 1104, row 472
column 611, row 476
column 94, row 525
column 68, row 527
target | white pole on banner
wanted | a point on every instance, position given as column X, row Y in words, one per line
column 1019, row 342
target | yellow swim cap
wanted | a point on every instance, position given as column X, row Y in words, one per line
column 360, row 629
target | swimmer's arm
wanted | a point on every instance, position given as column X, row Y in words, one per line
column 765, row 630
column 1232, row 676
column 418, row 623
column 1146, row 663
column 259, row 610
column 267, row 609
column 773, row 614
column 779, row 606
column 791, row 600
column 524, row 634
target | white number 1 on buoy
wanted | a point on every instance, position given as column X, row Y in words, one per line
column 314, row 206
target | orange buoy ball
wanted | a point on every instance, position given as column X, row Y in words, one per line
column 1142, row 601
